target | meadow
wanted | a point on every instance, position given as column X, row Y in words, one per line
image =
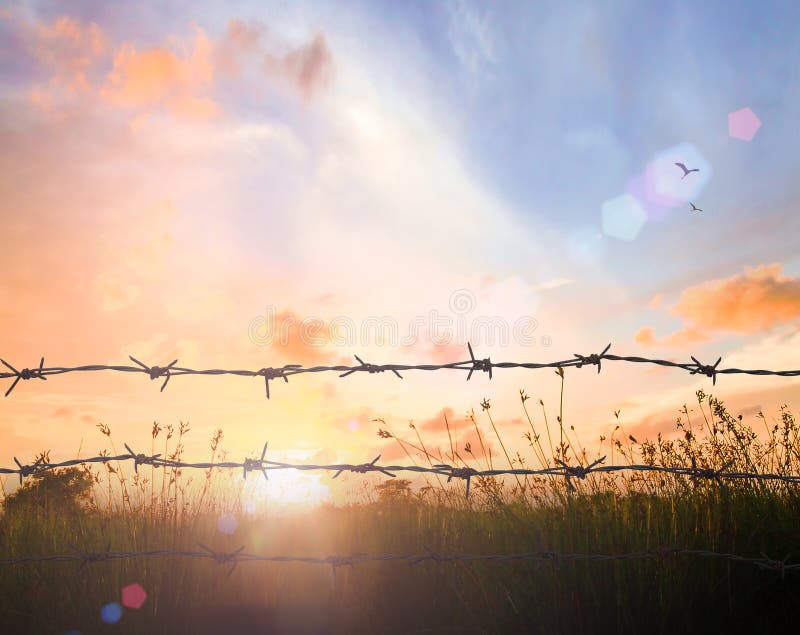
column 605, row 513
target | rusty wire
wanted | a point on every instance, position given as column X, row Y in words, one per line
column 473, row 364
column 442, row 469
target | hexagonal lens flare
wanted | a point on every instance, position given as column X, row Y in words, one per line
column 111, row 613
column 133, row 596
column 227, row 524
column 623, row 217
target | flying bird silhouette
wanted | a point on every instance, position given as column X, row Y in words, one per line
column 686, row 170
column 694, row 207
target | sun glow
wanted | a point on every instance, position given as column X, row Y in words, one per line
column 290, row 488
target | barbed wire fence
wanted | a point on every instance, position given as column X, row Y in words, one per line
column 472, row 365
column 233, row 558
column 263, row 465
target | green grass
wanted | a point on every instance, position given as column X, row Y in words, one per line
column 620, row 513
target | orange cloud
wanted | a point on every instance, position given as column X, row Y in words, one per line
column 756, row 301
column 477, row 451
column 437, row 424
column 309, row 68
column 679, row 339
column 649, row 427
column 294, row 339
column 645, row 336
column 160, row 76
column 392, row 451
column 447, row 353
column 748, row 303
column 179, row 78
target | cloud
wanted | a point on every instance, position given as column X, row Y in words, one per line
column 753, row 302
column 308, row 68
column 477, row 451
column 179, row 77
column 462, row 432
column 648, row 427
column 392, row 450
column 679, row 339
column 445, row 353
column 555, row 283
column 294, row 338
column 67, row 48
column 472, row 38
column 241, row 40
column 159, row 76
column 437, row 422
column 183, row 82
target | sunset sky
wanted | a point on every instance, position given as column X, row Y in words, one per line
column 176, row 179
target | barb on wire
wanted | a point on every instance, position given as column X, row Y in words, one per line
column 365, row 467
column 276, row 373
column 710, row 473
column 458, row 472
column 157, row 371
column 578, row 471
column 91, row 556
column 778, row 566
column 484, row 364
column 253, row 464
column 341, row 561
column 224, row 557
column 708, row 371
column 25, row 373
column 594, row 358
column 26, row 470
column 471, row 366
column 370, row 368
column 141, row 459
column 430, row 554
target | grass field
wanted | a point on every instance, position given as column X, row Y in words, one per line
column 615, row 513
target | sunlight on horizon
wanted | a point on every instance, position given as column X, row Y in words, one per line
column 290, row 488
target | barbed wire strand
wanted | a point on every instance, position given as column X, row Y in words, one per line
column 472, row 365
column 264, row 465
column 233, row 558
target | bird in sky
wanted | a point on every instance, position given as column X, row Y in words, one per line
column 686, row 170
column 694, row 207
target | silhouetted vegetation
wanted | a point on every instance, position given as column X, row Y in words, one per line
column 605, row 513
column 63, row 491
